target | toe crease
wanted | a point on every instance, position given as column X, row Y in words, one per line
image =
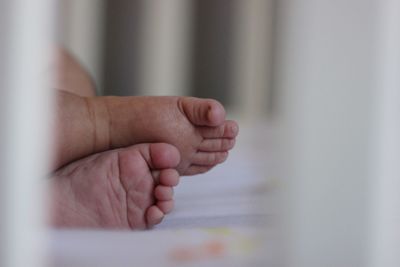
column 125, row 190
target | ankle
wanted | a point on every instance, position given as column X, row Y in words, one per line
column 101, row 122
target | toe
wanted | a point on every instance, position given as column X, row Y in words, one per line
column 215, row 145
column 166, row 206
column 154, row 216
column 202, row 112
column 197, row 169
column 159, row 155
column 169, row 177
column 164, row 156
column 209, row 158
column 156, row 155
column 229, row 129
column 163, row 193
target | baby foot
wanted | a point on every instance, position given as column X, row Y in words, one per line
column 125, row 188
column 197, row 127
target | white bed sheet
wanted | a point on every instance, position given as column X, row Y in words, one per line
column 221, row 210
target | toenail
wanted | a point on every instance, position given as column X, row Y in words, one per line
column 210, row 113
column 215, row 114
column 234, row 129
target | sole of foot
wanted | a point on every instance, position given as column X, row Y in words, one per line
column 128, row 188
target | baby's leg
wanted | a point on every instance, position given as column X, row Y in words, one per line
column 70, row 76
column 124, row 188
column 75, row 126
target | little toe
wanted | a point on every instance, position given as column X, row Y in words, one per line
column 169, row 177
column 154, row 216
column 202, row 112
column 166, row 206
column 209, row 158
column 163, row 193
column 215, row 145
column 229, row 129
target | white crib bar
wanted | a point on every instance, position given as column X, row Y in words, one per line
column 164, row 47
column 25, row 104
column 252, row 54
column 385, row 215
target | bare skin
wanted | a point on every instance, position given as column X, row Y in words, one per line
column 87, row 124
column 69, row 75
column 128, row 188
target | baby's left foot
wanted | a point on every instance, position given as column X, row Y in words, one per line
column 129, row 188
column 196, row 127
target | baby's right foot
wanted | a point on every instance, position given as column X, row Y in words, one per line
column 197, row 127
column 124, row 188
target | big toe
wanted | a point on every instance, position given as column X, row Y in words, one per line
column 159, row 155
column 202, row 112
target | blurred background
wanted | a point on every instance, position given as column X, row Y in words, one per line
column 314, row 84
column 216, row 49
